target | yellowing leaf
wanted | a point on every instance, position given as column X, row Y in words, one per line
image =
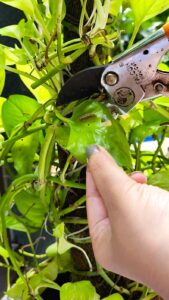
column 82, row 290
column 144, row 10
column 28, row 6
column 41, row 93
column 115, row 7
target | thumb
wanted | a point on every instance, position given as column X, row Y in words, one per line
column 111, row 181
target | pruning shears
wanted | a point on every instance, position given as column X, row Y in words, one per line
column 130, row 78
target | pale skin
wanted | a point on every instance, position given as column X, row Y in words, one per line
column 128, row 222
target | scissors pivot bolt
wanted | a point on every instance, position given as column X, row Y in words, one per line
column 159, row 87
column 130, row 78
column 111, row 78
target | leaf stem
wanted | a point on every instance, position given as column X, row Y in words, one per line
column 62, row 176
column 103, row 274
column 8, row 248
column 59, row 29
column 67, row 183
column 160, row 142
column 10, row 142
column 138, row 153
column 44, row 164
column 73, row 207
column 75, row 221
column 28, row 254
column 27, row 75
column 135, row 31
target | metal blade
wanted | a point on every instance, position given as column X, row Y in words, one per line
column 82, row 85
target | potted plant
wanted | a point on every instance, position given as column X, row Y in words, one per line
column 43, row 145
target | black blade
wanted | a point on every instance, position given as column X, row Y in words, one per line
column 82, row 85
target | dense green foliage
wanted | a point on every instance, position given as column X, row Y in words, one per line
column 43, row 146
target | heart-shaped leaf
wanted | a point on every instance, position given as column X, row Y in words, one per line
column 92, row 123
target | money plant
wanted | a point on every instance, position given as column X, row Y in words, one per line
column 43, row 145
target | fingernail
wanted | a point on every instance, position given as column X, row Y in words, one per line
column 91, row 149
column 136, row 172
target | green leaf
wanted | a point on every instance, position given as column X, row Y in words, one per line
column 52, row 250
column 2, row 71
column 45, row 278
column 36, row 282
column 58, row 231
column 12, row 31
column 53, row 5
column 153, row 117
column 132, row 119
column 82, row 290
column 144, row 10
column 21, row 30
column 14, row 224
column 142, row 131
column 64, row 245
column 115, row 296
column 164, row 101
column 160, row 179
column 92, row 123
column 30, row 207
column 12, row 56
column 20, row 108
column 2, row 100
column 3, row 252
column 23, row 153
column 41, row 93
column 28, row 6
column 18, row 292
column 44, row 284
column 115, row 7
column 150, row 124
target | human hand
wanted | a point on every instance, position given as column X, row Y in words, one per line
column 128, row 222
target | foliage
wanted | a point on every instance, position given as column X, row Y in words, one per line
column 43, row 146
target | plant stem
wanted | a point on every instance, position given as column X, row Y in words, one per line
column 67, row 183
column 73, row 207
column 135, row 31
column 16, row 186
column 38, row 256
column 59, row 29
column 82, row 16
column 27, row 75
column 48, row 76
column 10, row 142
column 62, row 176
column 75, row 221
column 103, row 274
column 8, row 248
column 157, row 151
column 44, row 164
column 150, row 296
column 85, row 273
column 13, row 139
column 61, row 118
column 138, row 153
